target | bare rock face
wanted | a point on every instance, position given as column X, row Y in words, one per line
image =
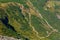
column 7, row 38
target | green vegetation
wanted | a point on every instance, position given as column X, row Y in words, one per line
column 32, row 19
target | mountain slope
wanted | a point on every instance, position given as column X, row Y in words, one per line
column 30, row 20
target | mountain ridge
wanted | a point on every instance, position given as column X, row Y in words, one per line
column 27, row 21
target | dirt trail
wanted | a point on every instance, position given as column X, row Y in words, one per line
column 40, row 16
